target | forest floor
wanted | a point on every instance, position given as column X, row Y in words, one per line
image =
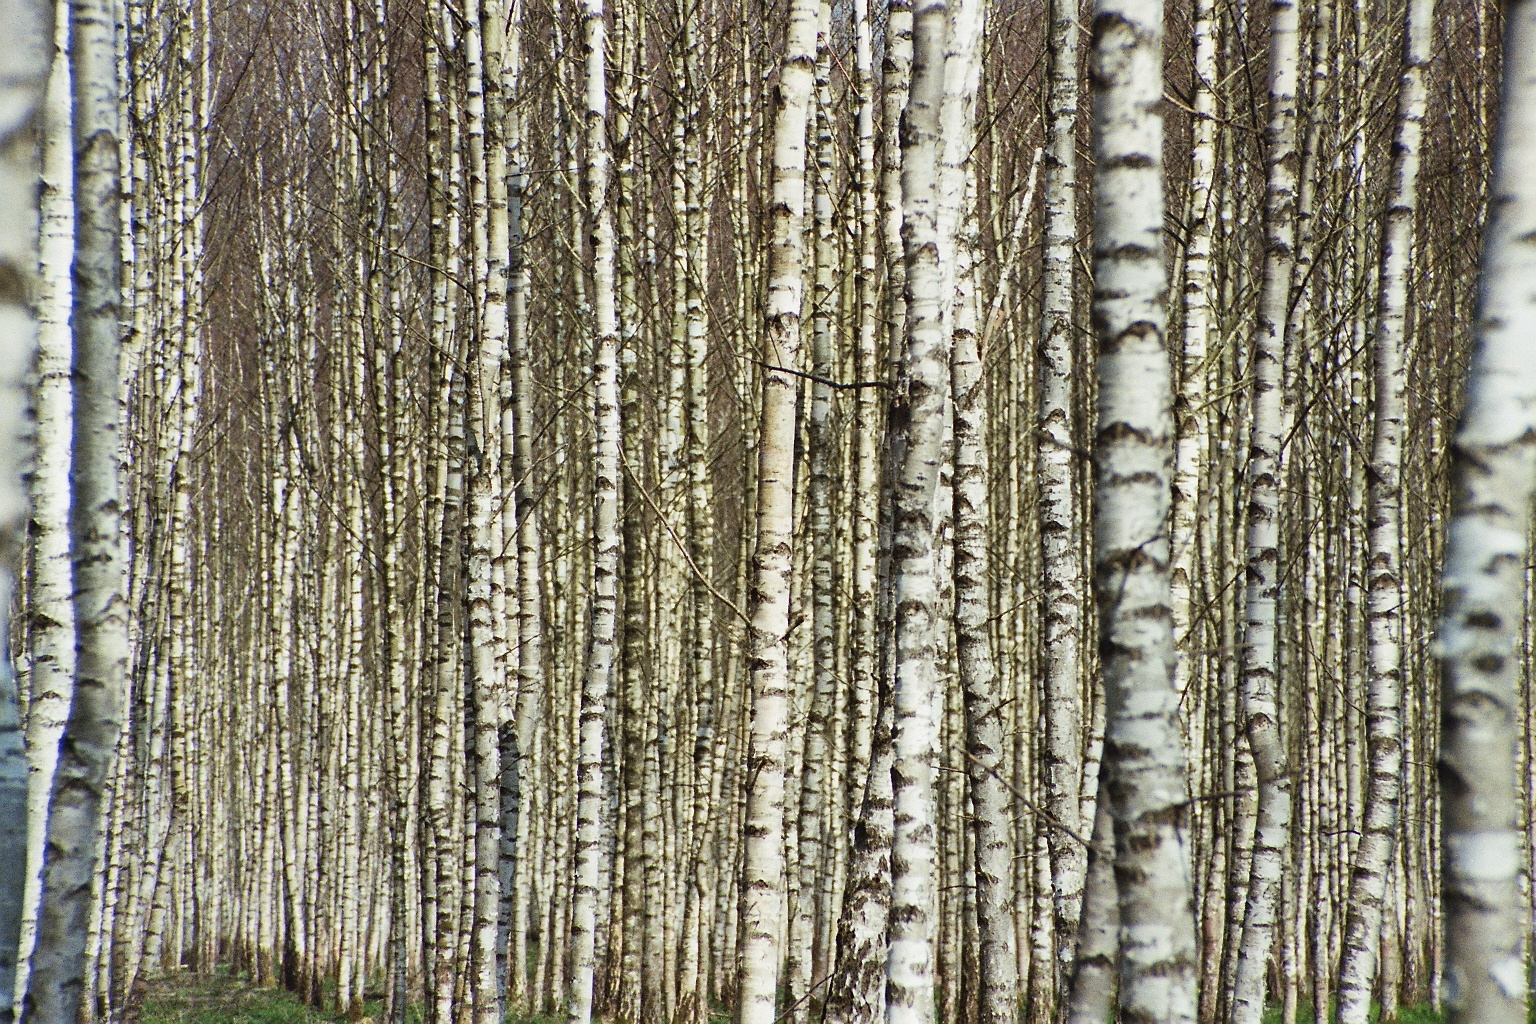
column 223, row 998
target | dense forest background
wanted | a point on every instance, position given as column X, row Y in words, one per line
column 519, row 406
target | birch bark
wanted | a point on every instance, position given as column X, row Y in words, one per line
column 812, row 834
column 910, row 967
column 1493, row 472
column 1373, row 856
column 101, row 645
column 24, row 74
column 1190, row 416
column 605, row 522
column 1260, row 659
column 51, row 625
column 768, row 632
column 856, row 992
column 984, row 741
column 1143, row 749
column 483, row 38
column 1060, row 517
column 1090, row 998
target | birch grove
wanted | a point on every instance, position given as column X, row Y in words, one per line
column 935, row 512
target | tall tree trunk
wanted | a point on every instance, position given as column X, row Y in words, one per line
column 1384, row 656
column 605, row 522
column 856, row 992
column 1493, row 473
column 768, row 633
column 24, row 75
column 1261, row 663
column 1134, row 439
column 51, row 622
column 1091, row 995
column 1061, row 532
column 483, row 38
column 1190, row 414
column 984, row 738
column 101, row 611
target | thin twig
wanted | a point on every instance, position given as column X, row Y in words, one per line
column 838, row 385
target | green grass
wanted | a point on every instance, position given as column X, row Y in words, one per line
column 223, row 999
column 1405, row 1014
column 226, row 999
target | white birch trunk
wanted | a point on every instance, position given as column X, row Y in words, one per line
column 1091, row 995
column 768, row 632
column 1260, row 655
column 1061, row 533
column 812, row 834
column 1143, row 748
column 605, row 524
column 482, row 46
column 914, row 878
column 101, row 656
column 1190, row 416
column 24, row 75
column 984, row 735
column 1384, row 655
column 1493, row 472
column 51, row 625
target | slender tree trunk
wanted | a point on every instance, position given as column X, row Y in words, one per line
column 483, row 40
column 856, row 993
column 1190, row 415
column 1493, row 473
column 1143, row 750
column 767, row 640
column 605, row 524
column 24, row 75
column 51, row 625
column 984, row 743
column 101, row 654
column 1091, row 996
column 1373, row 856
column 812, row 834
column 1261, row 663
column 1061, row 534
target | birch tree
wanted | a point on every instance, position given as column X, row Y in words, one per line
column 605, row 517
column 1368, row 881
column 1060, row 519
column 1132, row 484
column 768, row 611
column 1260, row 664
column 51, row 629
column 909, row 970
column 1493, row 468
column 24, row 75
column 75, row 810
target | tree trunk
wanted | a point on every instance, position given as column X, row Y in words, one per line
column 51, row 619
column 101, row 612
column 1493, row 472
column 1143, row 749
column 24, row 74
column 1373, row 856
column 767, row 639
column 605, row 524
column 925, row 380
column 1261, row 663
